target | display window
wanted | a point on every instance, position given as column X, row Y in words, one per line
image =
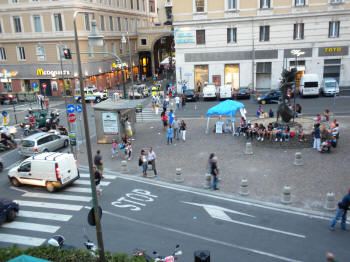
column 232, row 75
column 201, row 76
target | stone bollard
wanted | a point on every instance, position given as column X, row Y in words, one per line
column 124, row 167
column 248, row 148
column 208, row 181
column 178, row 176
column 298, row 161
column 330, row 202
column 286, row 195
column 243, row 189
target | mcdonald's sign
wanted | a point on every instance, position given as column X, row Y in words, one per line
column 42, row 72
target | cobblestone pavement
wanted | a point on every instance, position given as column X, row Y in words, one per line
column 267, row 170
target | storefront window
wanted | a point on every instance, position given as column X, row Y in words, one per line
column 232, row 75
column 7, row 87
column 201, row 76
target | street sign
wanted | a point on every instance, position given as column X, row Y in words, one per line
column 72, row 138
column 4, row 113
column 78, row 108
column 72, row 118
column 34, row 85
column 44, row 85
column 70, row 108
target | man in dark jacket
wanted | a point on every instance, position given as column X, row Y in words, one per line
column 343, row 207
column 214, row 172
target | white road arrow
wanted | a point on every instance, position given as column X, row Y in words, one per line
column 220, row 213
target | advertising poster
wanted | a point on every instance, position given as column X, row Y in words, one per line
column 110, row 123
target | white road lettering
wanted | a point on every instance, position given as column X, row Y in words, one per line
column 137, row 194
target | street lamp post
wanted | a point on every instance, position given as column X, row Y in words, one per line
column 98, row 39
column 296, row 53
column 132, row 74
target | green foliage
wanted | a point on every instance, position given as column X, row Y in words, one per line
column 62, row 255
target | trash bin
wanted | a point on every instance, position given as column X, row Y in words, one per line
column 202, row 256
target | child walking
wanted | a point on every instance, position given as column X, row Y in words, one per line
column 128, row 150
column 114, row 148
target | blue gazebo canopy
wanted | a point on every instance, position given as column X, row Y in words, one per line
column 26, row 258
column 226, row 108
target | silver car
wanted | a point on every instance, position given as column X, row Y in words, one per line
column 42, row 142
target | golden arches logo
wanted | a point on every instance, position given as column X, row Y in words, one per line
column 39, row 72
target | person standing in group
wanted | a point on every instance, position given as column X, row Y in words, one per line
column 156, row 104
column 153, row 104
column 152, row 160
column 165, row 120
column 343, row 208
column 183, row 101
column 98, row 162
column 169, row 134
column 143, row 163
column 317, row 137
column 177, row 102
column 128, row 150
column 214, row 172
column 171, row 117
column 183, row 129
column 114, row 148
column 165, row 104
column 128, row 129
column 97, row 179
column 176, row 125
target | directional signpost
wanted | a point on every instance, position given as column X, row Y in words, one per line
column 78, row 108
column 70, row 109
column 4, row 113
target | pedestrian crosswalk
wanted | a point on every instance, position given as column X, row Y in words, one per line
column 42, row 214
column 147, row 115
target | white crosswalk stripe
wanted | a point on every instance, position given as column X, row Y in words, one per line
column 147, row 115
column 37, row 212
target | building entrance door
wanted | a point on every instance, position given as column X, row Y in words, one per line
column 48, row 90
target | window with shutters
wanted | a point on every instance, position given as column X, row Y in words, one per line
column 265, row 4
column 138, row 4
column 126, row 25
column 120, row 47
column 58, row 22
column 263, row 68
column 37, row 23
column 152, row 6
column 2, row 54
column 117, row 3
column 40, row 53
column 131, row 4
column 231, row 35
column 264, row 33
column 87, row 22
column 333, row 31
column 231, row 4
column 143, row 5
column 200, row 37
column 298, row 31
column 17, row 24
column 102, row 20
column 124, row 3
column 119, row 24
column 21, row 53
column 200, row 6
column 299, row 2
column 111, row 25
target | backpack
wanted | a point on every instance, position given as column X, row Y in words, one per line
column 140, row 161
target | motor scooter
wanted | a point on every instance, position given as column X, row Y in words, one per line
column 174, row 256
column 58, row 241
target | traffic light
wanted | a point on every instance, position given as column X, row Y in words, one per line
column 66, row 53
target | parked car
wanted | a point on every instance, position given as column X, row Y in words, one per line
column 329, row 87
column 8, row 210
column 271, row 97
column 60, row 171
column 225, row 92
column 6, row 99
column 242, row 93
column 209, row 91
column 191, row 95
column 42, row 142
column 309, row 85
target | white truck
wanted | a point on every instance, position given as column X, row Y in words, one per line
column 209, row 91
column 309, row 85
column 225, row 92
column 91, row 93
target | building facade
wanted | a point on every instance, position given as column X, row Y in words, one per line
column 34, row 32
column 247, row 43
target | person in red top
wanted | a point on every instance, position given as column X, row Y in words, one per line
column 165, row 120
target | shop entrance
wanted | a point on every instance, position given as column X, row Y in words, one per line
column 48, row 90
column 332, row 68
column 232, row 75
column 201, row 76
column 263, row 75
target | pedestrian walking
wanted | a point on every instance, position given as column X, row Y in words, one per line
column 169, row 135
column 183, row 102
column 152, row 160
column 156, row 104
column 114, row 148
column 342, row 209
column 210, row 161
column 98, row 162
column 128, row 150
column 128, row 129
column 183, row 129
column 214, row 172
column 153, row 104
column 317, row 137
column 165, row 104
column 143, row 163
column 171, row 117
column 177, row 102
column 176, row 126
column 97, row 179
column 165, row 120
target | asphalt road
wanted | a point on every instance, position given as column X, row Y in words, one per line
column 139, row 213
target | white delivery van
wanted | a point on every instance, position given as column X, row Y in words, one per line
column 329, row 87
column 309, row 85
column 225, row 92
column 51, row 170
column 209, row 91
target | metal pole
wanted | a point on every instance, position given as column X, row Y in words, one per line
column 65, row 96
column 88, row 147
column 14, row 111
column 131, row 68
column 253, row 57
column 296, row 67
column 124, row 88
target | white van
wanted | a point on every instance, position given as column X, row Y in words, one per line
column 329, row 87
column 309, row 85
column 51, row 170
column 209, row 91
column 225, row 92
column 91, row 93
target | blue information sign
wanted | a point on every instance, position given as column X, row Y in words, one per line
column 4, row 113
column 34, row 84
column 70, row 108
column 78, row 108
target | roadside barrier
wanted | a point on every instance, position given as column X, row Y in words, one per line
column 286, row 195
column 124, row 167
column 178, row 176
column 298, row 161
column 243, row 189
column 331, row 204
column 248, row 148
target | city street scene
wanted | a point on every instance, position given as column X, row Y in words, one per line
column 157, row 130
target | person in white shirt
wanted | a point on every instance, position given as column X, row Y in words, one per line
column 152, row 160
column 177, row 102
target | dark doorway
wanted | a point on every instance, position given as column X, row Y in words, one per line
column 47, row 91
column 145, row 64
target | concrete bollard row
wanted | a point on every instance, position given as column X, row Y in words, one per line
column 243, row 189
column 286, row 197
column 331, row 204
column 248, row 149
column 124, row 167
column 178, row 176
column 298, row 160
